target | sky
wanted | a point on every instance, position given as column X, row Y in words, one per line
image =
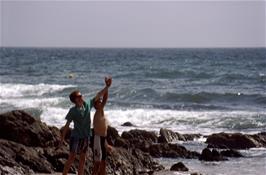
column 133, row 23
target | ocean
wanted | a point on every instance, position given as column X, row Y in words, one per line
column 186, row 90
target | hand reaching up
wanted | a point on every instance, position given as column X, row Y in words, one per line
column 108, row 81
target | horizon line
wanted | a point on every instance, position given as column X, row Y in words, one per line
column 83, row 47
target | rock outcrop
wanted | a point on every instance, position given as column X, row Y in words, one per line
column 28, row 146
column 236, row 140
column 168, row 136
column 179, row 167
column 214, row 155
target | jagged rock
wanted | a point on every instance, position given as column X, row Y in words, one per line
column 191, row 136
column 171, row 151
column 131, row 161
column 179, row 167
column 231, row 153
column 29, row 158
column 167, row 136
column 140, row 135
column 29, row 146
column 236, row 140
column 208, row 155
column 20, row 127
column 112, row 135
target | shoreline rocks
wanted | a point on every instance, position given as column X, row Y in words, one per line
column 236, row 140
column 28, row 146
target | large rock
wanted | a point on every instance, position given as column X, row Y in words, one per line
column 178, row 167
column 132, row 162
column 28, row 158
column 140, row 135
column 231, row 153
column 191, row 136
column 171, row 151
column 167, row 136
column 208, row 155
column 20, row 127
column 236, row 141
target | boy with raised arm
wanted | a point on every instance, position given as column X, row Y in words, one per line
column 100, row 126
column 80, row 135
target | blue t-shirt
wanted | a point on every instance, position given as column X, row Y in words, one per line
column 82, row 120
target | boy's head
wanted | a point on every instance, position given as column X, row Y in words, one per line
column 76, row 98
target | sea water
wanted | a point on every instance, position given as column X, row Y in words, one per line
column 186, row 90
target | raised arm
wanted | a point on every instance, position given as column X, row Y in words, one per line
column 101, row 93
column 108, row 82
column 105, row 97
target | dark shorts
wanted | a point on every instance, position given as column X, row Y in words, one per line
column 78, row 145
column 99, row 149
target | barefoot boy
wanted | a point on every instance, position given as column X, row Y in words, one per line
column 100, row 132
column 79, row 140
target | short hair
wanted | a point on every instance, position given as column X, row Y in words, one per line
column 73, row 95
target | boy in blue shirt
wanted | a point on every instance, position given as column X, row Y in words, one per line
column 80, row 135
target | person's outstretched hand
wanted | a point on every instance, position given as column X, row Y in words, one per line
column 108, row 81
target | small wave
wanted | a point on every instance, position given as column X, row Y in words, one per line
column 21, row 90
column 167, row 74
column 204, row 97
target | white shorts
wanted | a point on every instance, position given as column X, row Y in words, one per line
column 99, row 149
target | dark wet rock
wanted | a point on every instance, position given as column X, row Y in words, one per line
column 171, row 151
column 231, row 153
column 179, row 167
column 133, row 161
column 195, row 173
column 191, row 136
column 120, row 142
column 29, row 158
column 260, row 138
column 167, row 136
column 112, row 135
column 29, row 146
column 208, row 155
column 20, row 127
column 129, row 124
column 236, row 140
column 140, row 135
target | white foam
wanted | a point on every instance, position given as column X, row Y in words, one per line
column 32, row 102
column 20, row 90
column 54, row 116
column 204, row 122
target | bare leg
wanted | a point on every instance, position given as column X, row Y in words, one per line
column 96, row 168
column 82, row 159
column 103, row 168
column 69, row 162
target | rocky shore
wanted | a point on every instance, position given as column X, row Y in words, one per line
column 29, row 146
